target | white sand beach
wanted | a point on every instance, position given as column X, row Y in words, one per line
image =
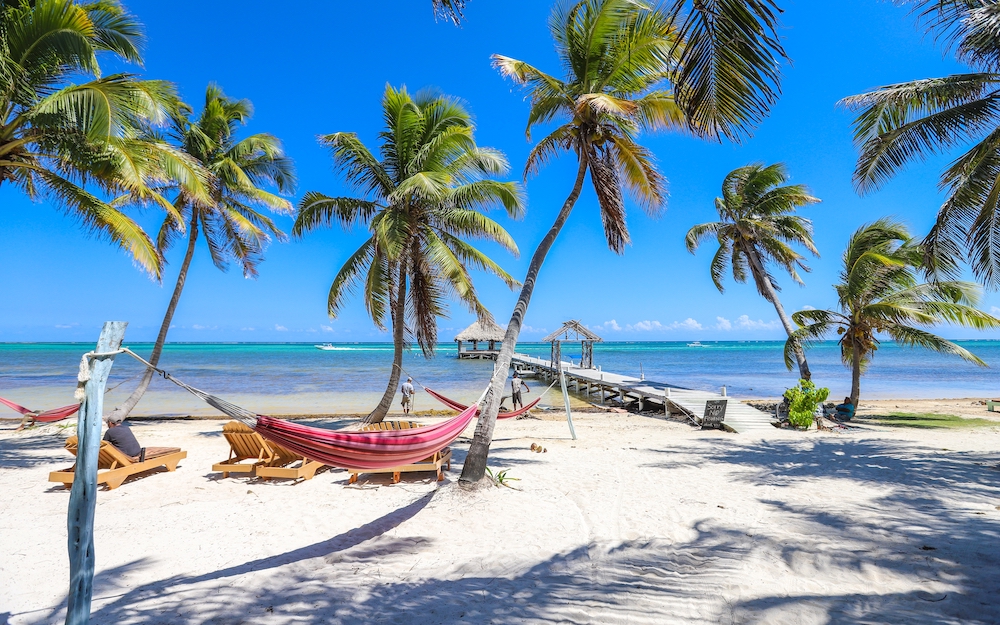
column 641, row 520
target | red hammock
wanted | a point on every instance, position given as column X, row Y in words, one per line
column 454, row 405
column 47, row 416
column 381, row 449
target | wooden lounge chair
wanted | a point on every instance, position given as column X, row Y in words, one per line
column 268, row 460
column 114, row 467
column 439, row 462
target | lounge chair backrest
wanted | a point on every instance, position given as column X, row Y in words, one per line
column 109, row 456
column 246, row 443
column 390, row 425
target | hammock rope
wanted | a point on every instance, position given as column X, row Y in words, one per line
column 454, row 405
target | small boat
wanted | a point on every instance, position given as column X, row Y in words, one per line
column 326, row 347
column 696, row 344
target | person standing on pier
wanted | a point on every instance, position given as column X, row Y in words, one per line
column 516, row 384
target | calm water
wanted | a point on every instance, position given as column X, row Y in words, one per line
column 298, row 378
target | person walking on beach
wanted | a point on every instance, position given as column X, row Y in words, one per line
column 407, row 390
column 516, row 384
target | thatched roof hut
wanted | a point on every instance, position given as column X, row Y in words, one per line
column 489, row 334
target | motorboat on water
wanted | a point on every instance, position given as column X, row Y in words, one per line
column 326, row 347
column 696, row 344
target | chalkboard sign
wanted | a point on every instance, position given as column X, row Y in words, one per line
column 715, row 413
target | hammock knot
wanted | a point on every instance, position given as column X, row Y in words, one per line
column 82, row 378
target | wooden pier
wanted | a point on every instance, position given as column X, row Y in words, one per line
column 739, row 417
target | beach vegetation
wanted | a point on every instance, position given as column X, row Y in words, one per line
column 78, row 144
column 500, row 478
column 232, row 220
column 756, row 229
column 907, row 122
column 880, row 295
column 632, row 67
column 928, row 420
column 420, row 199
column 803, row 401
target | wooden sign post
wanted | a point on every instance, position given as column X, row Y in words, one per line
column 83, row 498
column 715, row 414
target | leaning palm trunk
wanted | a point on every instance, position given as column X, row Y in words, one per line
column 129, row 404
column 474, row 468
column 767, row 290
column 398, row 337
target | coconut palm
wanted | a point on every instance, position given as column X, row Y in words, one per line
column 418, row 202
column 621, row 59
column 879, row 293
column 756, row 229
column 905, row 122
column 231, row 222
column 449, row 9
column 54, row 134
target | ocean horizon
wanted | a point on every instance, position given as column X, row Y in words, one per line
column 297, row 378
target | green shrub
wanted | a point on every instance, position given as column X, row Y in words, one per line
column 802, row 402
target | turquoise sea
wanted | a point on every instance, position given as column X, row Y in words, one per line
column 296, row 378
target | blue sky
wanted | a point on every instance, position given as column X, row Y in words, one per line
column 322, row 68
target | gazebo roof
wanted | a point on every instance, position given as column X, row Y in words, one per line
column 480, row 331
column 572, row 330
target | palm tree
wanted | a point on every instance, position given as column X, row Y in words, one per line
column 418, row 203
column 906, row 122
column 756, row 228
column 449, row 9
column 621, row 58
column 231, row 221
column 879, row 293
column 55, row 135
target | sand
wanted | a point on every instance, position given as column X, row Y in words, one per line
column 641, row 520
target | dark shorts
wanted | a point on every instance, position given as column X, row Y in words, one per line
column 515, row 397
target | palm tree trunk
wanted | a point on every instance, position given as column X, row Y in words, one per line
column 474, row 468
column 855, row 375
column 129, row 404
column 765, row 286
column 398, row 329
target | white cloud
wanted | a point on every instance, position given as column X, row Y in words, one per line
column 611, row 325
column 993, row 311
column 530, row 330
column 808, row 307
column 723, row 324
column 687, row 324
column 246, row 329
column 66, row 326
column 326, row 328
column 311, row 330
column 280, row 328
column 644, row 326
column 199, row 327
column 744, row 322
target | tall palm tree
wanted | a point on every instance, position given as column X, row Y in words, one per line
column 621, row 59
column 230, row 222
column 879, row 293
column 908, row 121
column 756, row 228
column 418, row 202
column 54, row 135
column 449, row 9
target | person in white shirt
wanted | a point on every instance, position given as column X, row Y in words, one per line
column 407, row 390
column 516, row 384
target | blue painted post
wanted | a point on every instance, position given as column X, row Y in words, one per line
column 83, row 498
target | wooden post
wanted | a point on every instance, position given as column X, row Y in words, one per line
column 83, row 498
column 569, row 413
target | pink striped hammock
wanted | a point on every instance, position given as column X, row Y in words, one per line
column 382, row 449
column 378, row 449
column 454, row 405
column 45, row 416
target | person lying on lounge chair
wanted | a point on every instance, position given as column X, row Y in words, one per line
column 845, row 411
column 120, row 435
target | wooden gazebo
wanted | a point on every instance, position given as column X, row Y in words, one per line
column 573, row 332
column 480, row 340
